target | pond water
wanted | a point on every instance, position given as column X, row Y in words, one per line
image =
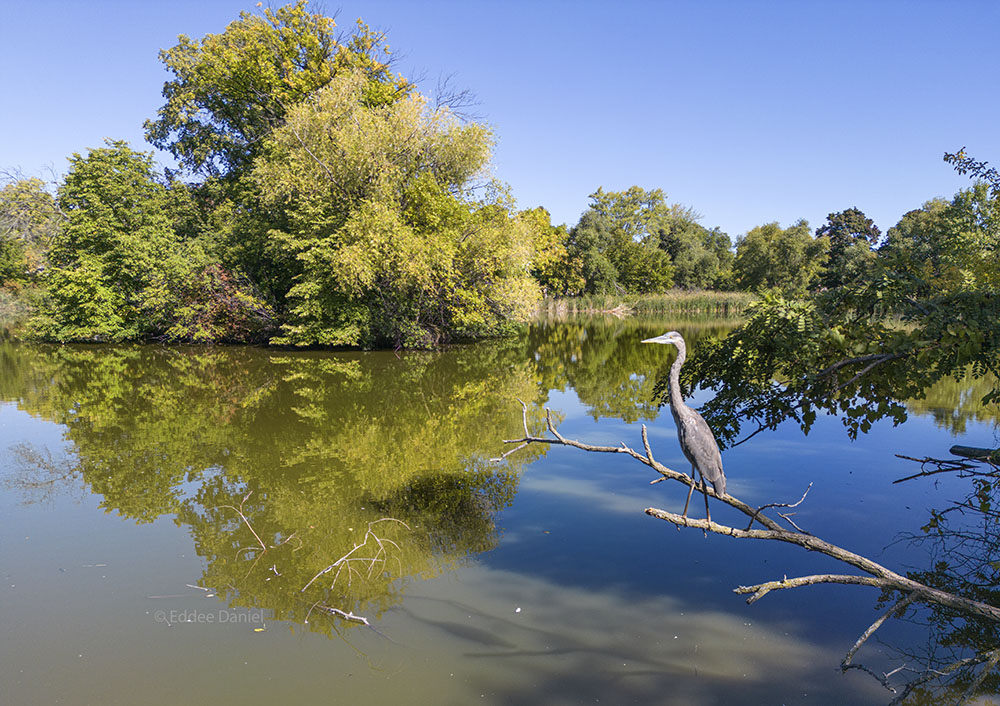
column 167, row 514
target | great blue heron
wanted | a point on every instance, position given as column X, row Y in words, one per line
column 696, row 438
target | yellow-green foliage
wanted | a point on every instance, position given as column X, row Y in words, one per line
column 323, row 443
column 392, row 247
column 29, row 219
column 231, row 89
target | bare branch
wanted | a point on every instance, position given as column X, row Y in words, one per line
column 645, row 444
column 887, row 578
column 239, row 511
column 762, row 589
column 789, row 505
column 345, row 560
column 896, row 608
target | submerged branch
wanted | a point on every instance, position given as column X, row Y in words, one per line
column 896, row 608
column 239, row 511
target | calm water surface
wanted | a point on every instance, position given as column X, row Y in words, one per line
column 164, row 511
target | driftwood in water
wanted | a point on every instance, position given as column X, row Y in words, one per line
column 975, row 452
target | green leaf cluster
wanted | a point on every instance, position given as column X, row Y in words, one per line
column 29, row 219
column 853, row 237
column 928, row 309
column 633, row 242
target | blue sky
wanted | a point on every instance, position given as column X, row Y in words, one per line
column 749, row 112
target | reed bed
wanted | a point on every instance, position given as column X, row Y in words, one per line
column 686, row 302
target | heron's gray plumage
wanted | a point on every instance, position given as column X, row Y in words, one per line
column 696, row 438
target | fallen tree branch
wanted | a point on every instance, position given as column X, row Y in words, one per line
column 963, row 468
column 878, row 575
column 874, row 574
column 239, row 511
column 762, row 589
column 665, row 472
column 896, row 608
column 759, row 510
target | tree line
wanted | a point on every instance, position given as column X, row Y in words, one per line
column 321, row 199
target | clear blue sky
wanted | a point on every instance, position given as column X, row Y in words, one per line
column 749, row 112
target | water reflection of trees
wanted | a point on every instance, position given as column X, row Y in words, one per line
column 954, row 402
column 599, row 359
column 320, row 445
column 962, row 541
column 314, row 447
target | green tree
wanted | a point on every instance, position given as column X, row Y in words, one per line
column 589, row 242
column 719, row 243
column 29, row 220
column 642, row 268
column 701, row 257
column 389, row 245
column 948, row 245
column 117, row 235
column 119, row 271
column 557, row 273
column 852, row 237
column 929, row 311
column 620, row 228
column 230, row 90
column 772, row 257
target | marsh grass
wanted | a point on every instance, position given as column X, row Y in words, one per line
column 686, row 302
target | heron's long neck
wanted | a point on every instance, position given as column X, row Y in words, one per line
column 676, row 399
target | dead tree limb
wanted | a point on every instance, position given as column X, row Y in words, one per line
column 239, row 511
column 646, row 459
column 874, row 574
column 897, row 608
column 877, row 575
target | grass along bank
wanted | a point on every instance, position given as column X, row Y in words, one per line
column 678, row 301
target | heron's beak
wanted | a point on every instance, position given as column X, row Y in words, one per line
column 658, row 339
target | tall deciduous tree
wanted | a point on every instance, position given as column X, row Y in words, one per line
column 852, row 237
column 119, row 271
column 557, row 273
column 391, row 246
column 949, row 245
column 702, row 258
column 617, row 239
column 772, row 257
column 589, row 242
column 230, row 90
column 117, row 235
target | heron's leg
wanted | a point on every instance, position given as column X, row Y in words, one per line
column 690, row 492
column 704, row 488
